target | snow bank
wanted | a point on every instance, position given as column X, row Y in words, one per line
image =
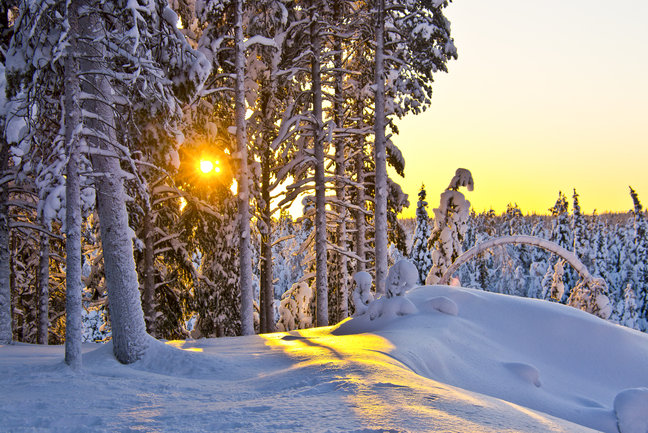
column 537, row 354
column 631, row 408
column 460, row 360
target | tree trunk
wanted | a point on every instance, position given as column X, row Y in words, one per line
column 73, row 285
column 43, row 289
column 360, row 219
column 320, row 187
column 245, row 253
column 267, row 288
column 148, row 298
column 130, row 339
column 6, row 332
column 340, row 185
column 380, row 219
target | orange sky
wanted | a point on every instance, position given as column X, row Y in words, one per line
column 545, row 96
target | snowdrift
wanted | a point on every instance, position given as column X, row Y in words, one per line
column 435, row 358
column 541, row 355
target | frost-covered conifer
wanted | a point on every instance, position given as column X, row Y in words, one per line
column 450, row 224
column 420, row 254
column 557, row 288
column 592, row 297
column 638, row 258
column 580, row 233
column 295, row 308
column 561, row 234
column 630, row 314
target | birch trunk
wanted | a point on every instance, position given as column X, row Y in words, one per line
column 5, row 256
column 320, row 187
column 130, row 339
column 245, row 253
column 380, row 219
column 43, row 289
column 73, row 285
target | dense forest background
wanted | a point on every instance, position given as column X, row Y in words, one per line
column 607, row 244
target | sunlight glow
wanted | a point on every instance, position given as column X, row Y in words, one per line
column 380, row 387
column 206, row 166
column 234, row 187
column 179, row 344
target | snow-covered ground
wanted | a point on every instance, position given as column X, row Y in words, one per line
column 462, row 361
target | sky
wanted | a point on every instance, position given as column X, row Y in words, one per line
column 546, row 96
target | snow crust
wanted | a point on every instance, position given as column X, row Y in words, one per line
column 462, row 360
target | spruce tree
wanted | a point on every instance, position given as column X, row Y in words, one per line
column 638, row 258
column 562, row 235
column 420, row 254
column 580, row 233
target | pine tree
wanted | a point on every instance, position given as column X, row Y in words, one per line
column 126, row 42
column 419, row 254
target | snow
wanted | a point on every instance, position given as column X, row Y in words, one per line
column 401, row 277
column 362, row 294
column 463, row 360
column 631, row 408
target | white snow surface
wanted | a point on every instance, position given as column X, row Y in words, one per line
column 461, row 361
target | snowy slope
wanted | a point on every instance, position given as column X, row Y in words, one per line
column 463, row 361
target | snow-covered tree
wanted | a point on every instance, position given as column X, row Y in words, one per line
column 450, row 225
column 420, row 254
column 6, row 30
column 412, row 41
column 592, row 296
column 561, row 234
column 580, row 233
column 295, row 308
column 362, row 294
column 630, row 314
column 638, row 259
column 135, row 59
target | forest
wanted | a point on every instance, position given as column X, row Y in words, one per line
column 151, row 151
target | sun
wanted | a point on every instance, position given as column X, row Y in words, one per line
column 206, row 166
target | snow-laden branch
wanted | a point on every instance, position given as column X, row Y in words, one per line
column 545, row 244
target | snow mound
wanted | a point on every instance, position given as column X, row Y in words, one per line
column 528, row 373
column 390, row 308
column 401, row 277
column 631, row 408
column 441, row 304
column 362, row 295
column 573, row 349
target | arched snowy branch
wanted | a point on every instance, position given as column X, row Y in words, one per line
column 552, row 247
